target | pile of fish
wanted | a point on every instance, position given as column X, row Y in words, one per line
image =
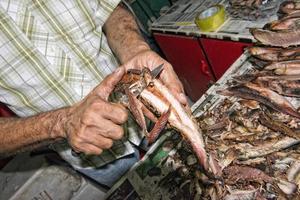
column 251, row 9
column 284, row 32
column 254, row 133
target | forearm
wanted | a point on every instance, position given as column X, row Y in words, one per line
column 123, row 35
column 20, row 134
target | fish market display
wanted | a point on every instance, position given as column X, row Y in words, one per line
column 251, row 9
column 255, row 131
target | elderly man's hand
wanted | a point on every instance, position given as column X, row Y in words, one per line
column 93, row 124
column 151, row 60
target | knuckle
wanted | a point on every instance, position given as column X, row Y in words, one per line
column 81, row 137
column 97, row 104
column 87, row 117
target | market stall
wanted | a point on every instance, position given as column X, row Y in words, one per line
column 250, row 124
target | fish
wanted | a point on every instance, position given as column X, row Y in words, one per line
column 289, row 7
column 282, row 86
column 141, row 89
column 275, row 54
column 278, row 39
column 274, row 125
column 290, row 64
column 250, row 152
column 241, row 194
column 268, row 77
column 159, row 97
column 290, row 52
column 236, row 173
column 256, row 50
column 294, row 14
column 293, row 173
column 284, row 24
column 263, row 95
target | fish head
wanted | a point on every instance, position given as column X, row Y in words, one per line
column 135, row 81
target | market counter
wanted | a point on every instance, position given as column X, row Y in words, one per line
column 201, row 58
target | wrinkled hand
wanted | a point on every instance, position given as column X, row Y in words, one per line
column 94, row 123
column 151, row 60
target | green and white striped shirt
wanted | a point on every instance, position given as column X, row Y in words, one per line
column 52, row 54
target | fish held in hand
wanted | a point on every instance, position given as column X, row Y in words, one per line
column 145, row 90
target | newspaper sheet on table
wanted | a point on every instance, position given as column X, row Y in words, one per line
column 180, row 19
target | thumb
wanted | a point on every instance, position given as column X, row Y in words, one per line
column 109, row 83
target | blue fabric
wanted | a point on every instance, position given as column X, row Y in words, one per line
column 112, row 172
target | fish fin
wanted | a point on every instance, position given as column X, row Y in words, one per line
column 149, row 114
column 159, row 126
column 135, row 108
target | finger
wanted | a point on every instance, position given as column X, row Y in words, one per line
column 169, row 77
column 109, row 83
column 97, row 139
column 116, row 113
column 89, row 149
column 171, row 80
column 108, row 130
column 181, row 98
column 103, row 110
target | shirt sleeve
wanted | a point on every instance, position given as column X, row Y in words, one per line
column 101, row 10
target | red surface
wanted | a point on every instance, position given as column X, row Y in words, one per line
column 222, row 54
column 5, row 112
column 189, row 62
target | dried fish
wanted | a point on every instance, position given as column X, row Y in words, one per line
column 154, row 95
column 255, row 50
column 237, row 173
column 284, row 24
column 287, row 71
column 293, row 173
column 287, row 187
column 284, row 85
column 294, row 14
column 263, row 95
column 287, row 65
column 282, row 53
column 265, row 149
column 289, row 7
column 241, row 195
column 278, row 39
column 277, row 126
